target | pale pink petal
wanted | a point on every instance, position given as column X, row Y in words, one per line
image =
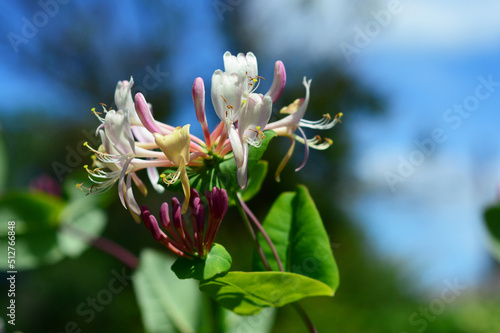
column 145, row 115
column 236, row 144
column 278, row 83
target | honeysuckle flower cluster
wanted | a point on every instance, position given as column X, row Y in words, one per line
column 133, row 140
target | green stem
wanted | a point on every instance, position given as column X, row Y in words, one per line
column 254, row 236
column 305, row 318
column 262, row 231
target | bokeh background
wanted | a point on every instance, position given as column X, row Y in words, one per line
column 404, row 212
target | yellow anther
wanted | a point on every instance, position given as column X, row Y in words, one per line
column 85, row 144
column 169, row 179
column 330, row 142
column 262, row 135
column 338, row 116
column 292, row 108
column 86, row 167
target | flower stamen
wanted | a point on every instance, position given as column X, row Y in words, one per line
column 171, row 178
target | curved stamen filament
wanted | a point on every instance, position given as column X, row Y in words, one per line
column 171, row 178
column 105, row 157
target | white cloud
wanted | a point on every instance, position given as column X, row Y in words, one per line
column 315, row 29
column 441, row 25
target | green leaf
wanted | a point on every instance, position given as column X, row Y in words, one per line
column 167, row 304
column 297, row 232
column 217, row 261
column 79, row 222
column 261, row 322
column 255, row 179
column 36, row 217
column 222, row 172
column 47, row 228
column 248, row 293
column 35, row 211
column 229, row 168
column 492, row 217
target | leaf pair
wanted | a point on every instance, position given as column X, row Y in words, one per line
column 296, row 229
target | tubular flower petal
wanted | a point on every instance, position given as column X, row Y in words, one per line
column 249, row 128
column 293, row 121
column 176, row 146
column 198, row 93
column 144, row 113
column 117, row 130
column 123, row 99
column 278, row 82
column 227, row 95
column 241, row 64
column 235, row 101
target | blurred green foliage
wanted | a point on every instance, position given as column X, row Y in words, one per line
column 374, row 296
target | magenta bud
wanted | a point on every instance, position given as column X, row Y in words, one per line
column 145, row 216
column 164, row 217
column 155, row 229
column 176, row 213
column 199, row 106
column 199, row 99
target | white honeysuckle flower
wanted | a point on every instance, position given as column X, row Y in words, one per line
column 118, row 132
column 227, row 95
column 116, row 153
column 235, row 100
column 227, row 98
column 176, row 147
column 243, row 65
column 250, row 124
column 288, row 125
column 124, row 101
column 123, row 98
column 255, row 118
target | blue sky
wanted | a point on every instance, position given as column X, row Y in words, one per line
column 423, row 58
column 427, row 57
column 425, row 63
